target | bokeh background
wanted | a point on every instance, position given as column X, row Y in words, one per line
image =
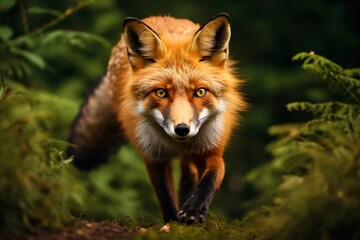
column 265, row 36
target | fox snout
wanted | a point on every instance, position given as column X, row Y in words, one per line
column 182, row 129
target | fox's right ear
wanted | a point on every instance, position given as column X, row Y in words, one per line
column 143, row 44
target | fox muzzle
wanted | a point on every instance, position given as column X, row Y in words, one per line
column 182, row 129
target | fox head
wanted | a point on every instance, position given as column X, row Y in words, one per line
column 181, row 82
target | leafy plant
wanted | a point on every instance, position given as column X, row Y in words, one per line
column 36, row 184
column 20, row 55
column 120, row 188
column 317, row 164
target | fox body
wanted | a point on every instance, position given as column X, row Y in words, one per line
column 169, row 89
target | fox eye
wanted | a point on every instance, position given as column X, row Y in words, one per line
column 200, row 92
column 161, row 93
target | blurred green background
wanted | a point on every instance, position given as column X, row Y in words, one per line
column 265, row 36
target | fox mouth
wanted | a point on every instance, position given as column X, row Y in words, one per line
column 182, row 139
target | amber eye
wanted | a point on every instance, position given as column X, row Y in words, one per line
column 200, row 92
column 161, row 93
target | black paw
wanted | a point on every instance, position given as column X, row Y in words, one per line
column 193, row 211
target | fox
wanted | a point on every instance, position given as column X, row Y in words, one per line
column 171, row 90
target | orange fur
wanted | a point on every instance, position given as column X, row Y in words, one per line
column 179, row 57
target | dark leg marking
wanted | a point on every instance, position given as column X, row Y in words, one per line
column 196, row 207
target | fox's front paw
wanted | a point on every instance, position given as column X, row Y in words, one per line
column 193, row 211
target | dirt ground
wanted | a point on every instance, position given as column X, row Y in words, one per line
column 79, row 230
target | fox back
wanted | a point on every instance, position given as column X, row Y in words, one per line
column 172, row 89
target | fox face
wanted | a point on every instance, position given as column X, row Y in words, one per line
column 181, row 87
column 180, row 103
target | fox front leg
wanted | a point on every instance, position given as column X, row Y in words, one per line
column 188, row 180
column 161, row 177
column 195, row 208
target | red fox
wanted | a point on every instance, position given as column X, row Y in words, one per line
column 170, row 89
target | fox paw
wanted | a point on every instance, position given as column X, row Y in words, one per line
column 193, row 211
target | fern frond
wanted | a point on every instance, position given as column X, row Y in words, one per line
column 284, row 129
column 319, row 163
column 350, row 86
column 340, row 81
column 354, row 72
column 339, row 109
column 318, row 65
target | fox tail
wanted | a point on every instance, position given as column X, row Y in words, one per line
column 95, row 132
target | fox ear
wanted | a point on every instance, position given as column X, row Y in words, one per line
column 211, row 41
column 142, row 43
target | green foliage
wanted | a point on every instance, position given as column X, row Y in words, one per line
column 36, row 184
column 120, row 188
column 335, row 109
column 6, row 4
column 340, row 81
column 117, row 189
column 317, row 164
column 73, row 38
column 307, row 157
column 20, row 54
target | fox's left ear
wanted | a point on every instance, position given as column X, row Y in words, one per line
column 211, row 41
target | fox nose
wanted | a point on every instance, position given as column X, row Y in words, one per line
column 182, row 129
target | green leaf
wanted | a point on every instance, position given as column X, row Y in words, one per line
column 5, row 33
column 3, row 87
column 6, row 4
column 40, row 10
column 73, row 38
column 31, row 57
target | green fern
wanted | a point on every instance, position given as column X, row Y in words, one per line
column 317, row 164
column 341, row 81
column 327, row 110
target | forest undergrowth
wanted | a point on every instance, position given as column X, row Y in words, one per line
column 309, row 189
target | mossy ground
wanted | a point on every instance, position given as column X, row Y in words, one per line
column 130, row 228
